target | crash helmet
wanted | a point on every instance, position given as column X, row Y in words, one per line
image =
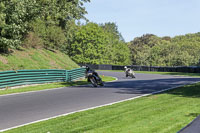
column 87, row 68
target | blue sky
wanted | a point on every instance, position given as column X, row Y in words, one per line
column 137, row 17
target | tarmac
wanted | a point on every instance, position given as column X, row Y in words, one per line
column 193, row 127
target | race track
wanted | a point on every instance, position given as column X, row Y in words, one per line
column 24, row 108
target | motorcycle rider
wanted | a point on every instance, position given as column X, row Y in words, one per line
column 89, row 70
column 129, row 72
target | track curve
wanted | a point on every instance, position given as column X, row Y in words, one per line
column 24, row 108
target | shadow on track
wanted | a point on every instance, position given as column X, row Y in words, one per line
column 149, row 86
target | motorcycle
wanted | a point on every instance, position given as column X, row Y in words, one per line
column 93, row 77
column 129, row 72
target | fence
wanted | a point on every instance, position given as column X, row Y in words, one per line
column 26, row 77
column 187, row 69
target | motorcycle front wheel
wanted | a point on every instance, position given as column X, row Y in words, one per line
column 93, row 81
column 101, row 83
column 133, row 76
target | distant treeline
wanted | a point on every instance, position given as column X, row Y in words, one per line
column 150, row 50
column 54, row 24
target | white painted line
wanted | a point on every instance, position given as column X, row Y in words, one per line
column 97, row 106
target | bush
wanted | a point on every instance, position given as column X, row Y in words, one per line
column 32, row 41
column 51, row 36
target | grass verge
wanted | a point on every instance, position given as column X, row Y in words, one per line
column 36, row 59
column 161, row 113
column 49, row 86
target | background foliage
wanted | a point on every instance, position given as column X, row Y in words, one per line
column 17, row 18
column 54, row 25
column 165, row 51
column 96, row 44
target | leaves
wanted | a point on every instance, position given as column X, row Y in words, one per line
column 155, row 51
column 96, row 45
column 16, row 17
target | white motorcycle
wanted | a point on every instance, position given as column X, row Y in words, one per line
column 129, row 72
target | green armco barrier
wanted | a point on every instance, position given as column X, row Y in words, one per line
column 26, row 77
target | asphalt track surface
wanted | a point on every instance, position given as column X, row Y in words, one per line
column 193, row 127
column 24, row 108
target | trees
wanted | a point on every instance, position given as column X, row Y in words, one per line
column 140, row 49
column 89, row 44
column 93, row 44
column 51, row 24
column 117, row 50
column 112, row 28
column 17, row 15
column 166, row 51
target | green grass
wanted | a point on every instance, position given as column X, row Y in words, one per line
column 161, row 113
column 36, row 59
column 49, row 86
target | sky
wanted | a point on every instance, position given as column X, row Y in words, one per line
column 135, row 18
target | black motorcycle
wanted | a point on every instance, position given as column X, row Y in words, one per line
column 93, row 77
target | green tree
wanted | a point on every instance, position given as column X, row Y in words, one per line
column 155, row 51
column 117, row 50
column 17, row 15
column 93, row 44
column 112, row 28
column 140, row 47
column 89, row 44
column 52, row 36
